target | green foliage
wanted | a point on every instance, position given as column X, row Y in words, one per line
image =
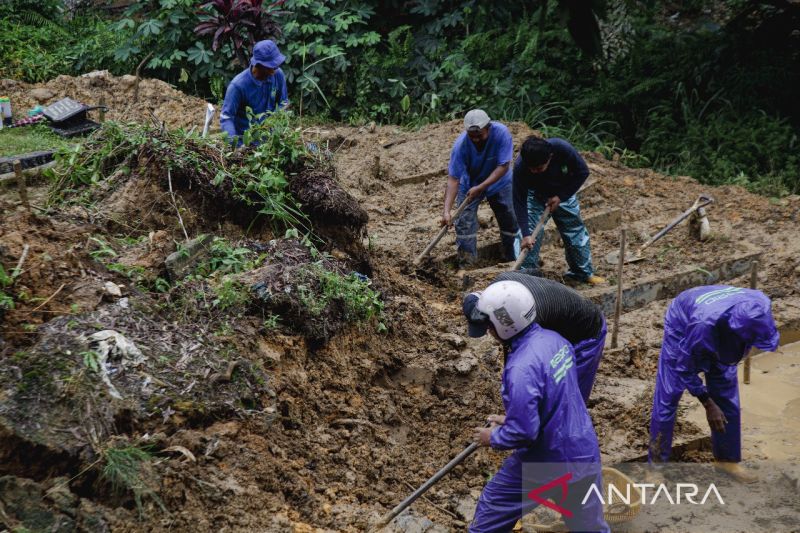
column 230, row 294
column 163, row 31
column 16, row 141
column 38, row 44
column 91, row 360
column 360, row 302
column 128, row 468
column 322, row 39
column 6, row 301
column 256, row 177
column 226, row 259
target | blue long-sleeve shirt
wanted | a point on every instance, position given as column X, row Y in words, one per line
column 545, row 415
column 563, row 177
column 706, row 326
column 245, row 91
column 471, row 167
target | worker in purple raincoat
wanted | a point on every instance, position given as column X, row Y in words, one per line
column 709, row 330
column 565, row 311
column 546, row 422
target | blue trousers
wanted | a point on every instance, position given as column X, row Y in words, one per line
column 587, row 358
column 573, row 232
column 466, row 225
column 504, row 500
column 723, row 388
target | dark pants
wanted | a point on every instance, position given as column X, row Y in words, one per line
column 467, row 224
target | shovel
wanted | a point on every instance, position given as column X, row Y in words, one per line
column 535, row 233
column 441, row 233
column 400, row 507
column 702, row 201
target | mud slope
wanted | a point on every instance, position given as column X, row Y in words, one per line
column 316, row 436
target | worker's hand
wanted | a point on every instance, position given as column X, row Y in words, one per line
column 474, row 193
column 715, row 416
column 528, row 242
column 552, row 203
column 481, row 436
column 496, row 420
column 446, row 220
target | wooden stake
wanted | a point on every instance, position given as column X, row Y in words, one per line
column 102, row 109
column 618, row 305
column 753, row 285
column 21, row 185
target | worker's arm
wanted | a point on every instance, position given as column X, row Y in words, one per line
column 230, row 106
column 481, row 188
column 577, row 170
column 450, row 192
column 521, row 425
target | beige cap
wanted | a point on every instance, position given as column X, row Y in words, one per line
column 476, row 119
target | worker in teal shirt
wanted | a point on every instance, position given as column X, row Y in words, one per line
column 480, row 167
column 261, row 87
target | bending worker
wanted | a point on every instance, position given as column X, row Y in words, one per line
column 709, row 330
column 562, row 310
column 546, row 423
column 261, row 87
column 480, row 167
column 547, row 175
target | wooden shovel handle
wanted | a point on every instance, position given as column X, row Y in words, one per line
column 442, row 233
column 539, row 226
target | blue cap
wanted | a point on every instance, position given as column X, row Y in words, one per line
column 477, row 322
column 266, row 54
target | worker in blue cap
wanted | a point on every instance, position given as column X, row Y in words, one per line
column 709, row 330
column 261, row 87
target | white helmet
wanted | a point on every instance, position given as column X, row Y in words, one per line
column 510, row 307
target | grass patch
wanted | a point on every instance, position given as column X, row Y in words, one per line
column 17, row 141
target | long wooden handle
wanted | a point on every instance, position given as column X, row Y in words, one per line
column 524, row 252
column 385, row 519
column 702, row 201
column 442, row 233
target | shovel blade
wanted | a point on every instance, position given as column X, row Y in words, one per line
column 613, row 258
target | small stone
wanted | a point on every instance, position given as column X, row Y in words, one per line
column 466, row 508
column 454, row 340
column 466, row 364
column 113, row 289
column 180, row 263
column 41, row 94
column 128, row 80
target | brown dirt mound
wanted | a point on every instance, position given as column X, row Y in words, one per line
column 176, row 109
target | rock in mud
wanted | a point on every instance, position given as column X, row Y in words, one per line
column 454, row 340
column 41, row 95
column 25, row 508
column 180, row 263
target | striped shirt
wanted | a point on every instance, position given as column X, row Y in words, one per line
column 560, row 308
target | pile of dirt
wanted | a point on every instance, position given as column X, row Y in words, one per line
column 176, row 109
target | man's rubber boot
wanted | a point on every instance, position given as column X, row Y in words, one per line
column 736, row 471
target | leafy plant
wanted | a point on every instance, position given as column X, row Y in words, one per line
column 91, row 360
column 239, row 24
column 226, row 259
column 230, row 294
column 128, row 468
column 360, row 302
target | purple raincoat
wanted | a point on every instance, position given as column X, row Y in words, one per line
column 549, row 428
column 708, row 329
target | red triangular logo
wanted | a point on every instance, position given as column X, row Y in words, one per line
column 562, row 481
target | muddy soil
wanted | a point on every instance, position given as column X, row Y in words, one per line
column 362, row 419
column 176, row 109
